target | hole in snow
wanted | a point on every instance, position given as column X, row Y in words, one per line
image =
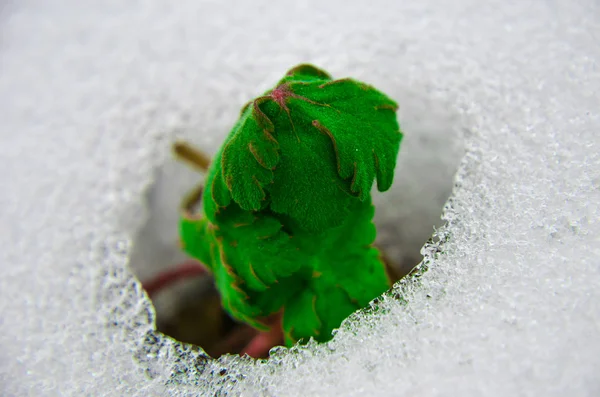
column 189, row 310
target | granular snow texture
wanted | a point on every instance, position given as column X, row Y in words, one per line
column 92, row 95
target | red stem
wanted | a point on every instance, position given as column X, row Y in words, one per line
column 260, row 345
column 185, row 270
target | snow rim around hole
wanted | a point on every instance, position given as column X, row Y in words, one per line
column 189, row 366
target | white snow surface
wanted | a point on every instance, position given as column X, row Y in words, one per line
column 93, row 93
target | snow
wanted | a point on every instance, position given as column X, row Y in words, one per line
column 92, row 95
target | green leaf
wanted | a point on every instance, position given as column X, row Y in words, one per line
column 248, row 158
column 194, row 234
column 233, row 297
column 305, row 72
column 361, row 124
column 259, row 251
column 300, row 319
column 307, row 187
column 216, row 194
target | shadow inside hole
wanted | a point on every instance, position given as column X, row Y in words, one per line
column 430, row 153
column 190, row 311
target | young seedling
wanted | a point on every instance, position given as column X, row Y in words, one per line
column 286, row 225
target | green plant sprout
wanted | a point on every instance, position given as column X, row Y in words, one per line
column 286, row 226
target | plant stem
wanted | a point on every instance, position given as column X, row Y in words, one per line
column 183, row 271
column 195, row 157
